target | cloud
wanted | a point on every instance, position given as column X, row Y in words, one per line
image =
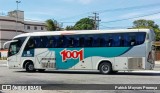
column 81, row 1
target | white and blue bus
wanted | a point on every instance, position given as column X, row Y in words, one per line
column 104, row 50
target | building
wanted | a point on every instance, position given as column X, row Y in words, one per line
column 14, row 24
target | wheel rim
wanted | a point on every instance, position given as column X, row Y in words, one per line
column 105, row 68
column 30, row 67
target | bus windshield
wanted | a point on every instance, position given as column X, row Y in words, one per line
column 15, row 46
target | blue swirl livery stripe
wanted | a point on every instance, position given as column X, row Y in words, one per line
column 88, row 52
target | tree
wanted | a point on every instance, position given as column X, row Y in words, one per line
column 82, row 24
column 150, row 24
column 50, row 25
column 142, row 23
column 70, row 28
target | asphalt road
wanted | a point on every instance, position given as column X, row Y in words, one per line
column 19, row 76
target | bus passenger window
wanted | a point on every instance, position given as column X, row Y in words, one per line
column 51, row 42
column 140, row 37
column 90, row 42
column 132, row 39
column 59, row 42
column 37, row 42
column 41, row 45
column 81, row 42
column 132, row 42
column 110, row 41
column 102, row 42
column 30, row 44
column 121, row 41
column 76, row 43
column 71, row 42
column 98, row 42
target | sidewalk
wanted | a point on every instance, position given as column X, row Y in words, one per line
column 3, row 63
column 157, row 62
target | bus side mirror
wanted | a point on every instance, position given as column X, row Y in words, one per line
column 6, row 46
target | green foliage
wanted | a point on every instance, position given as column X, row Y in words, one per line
column 157, row 32
column 142, row 23
column 82, row 24
column 50, row 25
column 69, row 28
column 145, row 24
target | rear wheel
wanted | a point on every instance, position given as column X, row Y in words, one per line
column 30, row 67
column 105, row 68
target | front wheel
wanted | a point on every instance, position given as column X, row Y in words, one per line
column 30, row 67
column 105, row 68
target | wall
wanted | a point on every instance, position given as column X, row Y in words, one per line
column 157, row 55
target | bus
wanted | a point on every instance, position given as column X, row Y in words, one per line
column 106, row 51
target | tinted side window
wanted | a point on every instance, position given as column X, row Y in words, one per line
column 71, row 41
column 140, row 37
column 81, row 41
column 30, row 44
column 51, row 42
column 109, row 40
column 90, row 41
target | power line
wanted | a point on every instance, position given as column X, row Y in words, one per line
column 125, row 18
column 111, row 10
column 132, row 17
column 115, row 27
column 128, row 8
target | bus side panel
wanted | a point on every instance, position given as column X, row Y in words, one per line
column 108, row 54
column 136, row 57
column 44, row 59
column 97, row 59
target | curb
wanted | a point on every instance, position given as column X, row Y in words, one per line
column 3, row 65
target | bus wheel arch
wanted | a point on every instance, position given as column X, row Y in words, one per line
column 105, row 67
column 29, row 66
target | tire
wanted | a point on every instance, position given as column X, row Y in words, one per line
column 105, row 68
column 30, row 67
column 41, row 70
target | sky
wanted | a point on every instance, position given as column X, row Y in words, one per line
column 70, row 11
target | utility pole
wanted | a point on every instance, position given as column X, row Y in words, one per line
column 17, row 16
column 96, row 20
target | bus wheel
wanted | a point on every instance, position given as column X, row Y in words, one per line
column 105, row 68
column 30, row 67
column 41, row 70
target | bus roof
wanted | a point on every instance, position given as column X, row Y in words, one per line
column 46, row 33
